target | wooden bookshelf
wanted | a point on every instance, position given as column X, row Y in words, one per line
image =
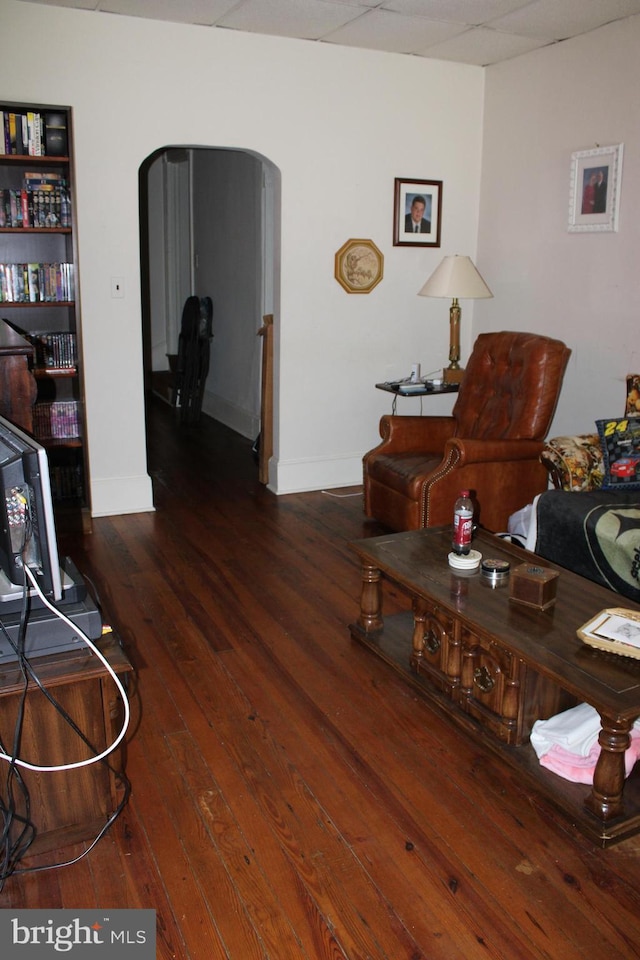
column 40, row 301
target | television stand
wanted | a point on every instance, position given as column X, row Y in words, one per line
column 68, row 805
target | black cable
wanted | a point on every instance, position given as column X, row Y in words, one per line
column 13, row 849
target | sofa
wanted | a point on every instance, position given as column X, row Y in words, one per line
column 590, row 521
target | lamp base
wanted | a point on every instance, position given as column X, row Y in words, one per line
column 452, row 374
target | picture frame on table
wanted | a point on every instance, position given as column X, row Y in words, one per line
column 594, row 189
column 417, row 212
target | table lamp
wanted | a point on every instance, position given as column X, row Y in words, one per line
column 456, row 277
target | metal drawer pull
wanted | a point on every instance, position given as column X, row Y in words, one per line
column 483, row 679
column 432, row 641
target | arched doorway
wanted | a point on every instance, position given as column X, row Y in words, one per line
column 210, row 227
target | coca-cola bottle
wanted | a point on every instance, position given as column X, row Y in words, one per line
column 462, row 523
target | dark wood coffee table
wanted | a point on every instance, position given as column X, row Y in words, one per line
column 495, row 666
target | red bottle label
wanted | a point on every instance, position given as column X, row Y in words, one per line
column 462, row 529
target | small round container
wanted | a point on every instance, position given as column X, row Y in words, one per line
column 495, row 572
column 467, row 561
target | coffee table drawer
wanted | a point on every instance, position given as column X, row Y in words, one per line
column 436, row 646
column 492, row 686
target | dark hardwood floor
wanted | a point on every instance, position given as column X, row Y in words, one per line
column 292, row 797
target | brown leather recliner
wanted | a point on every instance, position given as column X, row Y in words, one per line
column 490, row 444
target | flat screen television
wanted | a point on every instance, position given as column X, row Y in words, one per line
column 27, row 527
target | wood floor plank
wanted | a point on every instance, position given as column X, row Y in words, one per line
column 155, row 807
column 259, row 868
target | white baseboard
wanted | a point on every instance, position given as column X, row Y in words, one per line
column 120, row 495
column 244, row 422
column 301, row 476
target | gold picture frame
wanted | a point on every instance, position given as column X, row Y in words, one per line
column 359, row 266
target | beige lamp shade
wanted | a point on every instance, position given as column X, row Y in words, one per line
column 457, row 278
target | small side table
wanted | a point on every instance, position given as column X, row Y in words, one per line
column 409, row 389
column 414, row 390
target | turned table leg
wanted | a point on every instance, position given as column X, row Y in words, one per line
column 371, row 599
column 606, row 800
column 418, row 637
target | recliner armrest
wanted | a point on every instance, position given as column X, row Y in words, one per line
column 426, row 435
column 493, row 451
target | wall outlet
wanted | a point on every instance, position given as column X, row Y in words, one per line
column 117, row 287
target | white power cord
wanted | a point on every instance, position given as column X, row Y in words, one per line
column 111, row 671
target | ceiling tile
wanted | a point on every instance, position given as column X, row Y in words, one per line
column 306, row 19
column 560, row 19
column 78, row 4
column 455, row 11
column 383, row 30
column 204, row 12
column 481, row 47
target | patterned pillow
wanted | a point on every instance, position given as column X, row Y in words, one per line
column 575, row 463
column 620, row 441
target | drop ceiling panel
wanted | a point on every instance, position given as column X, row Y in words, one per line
column 469, row 12
column 383, row 30
column 481, row 47
column 468, row 31
column 201, row 12
column 561, row 19
column 305, row 19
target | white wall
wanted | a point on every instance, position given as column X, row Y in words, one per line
column 582, row 288
column 227, row 231
column 339, row 124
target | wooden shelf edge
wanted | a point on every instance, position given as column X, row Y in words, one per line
column 22, row 158
column 20, row 230
column 41, row 373
column 21, row 304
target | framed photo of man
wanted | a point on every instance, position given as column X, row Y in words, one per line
column 417, row 212
column 594, row 190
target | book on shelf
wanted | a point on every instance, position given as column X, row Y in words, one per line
column 37, row 282
column 42, row 201
column 30, row 133
column 56, row 420
column 55, row 134
column 34, row 134
column 55, row 351
column 66, row 481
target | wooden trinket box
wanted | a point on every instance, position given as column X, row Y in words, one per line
column 533, row 585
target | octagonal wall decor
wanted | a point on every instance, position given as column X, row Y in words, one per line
column 359, row 266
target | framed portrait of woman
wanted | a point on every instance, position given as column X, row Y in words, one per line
column 594, row 191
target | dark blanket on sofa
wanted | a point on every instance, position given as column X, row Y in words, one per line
column 595, row 534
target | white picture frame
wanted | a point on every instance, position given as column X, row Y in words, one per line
column 594, row 191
